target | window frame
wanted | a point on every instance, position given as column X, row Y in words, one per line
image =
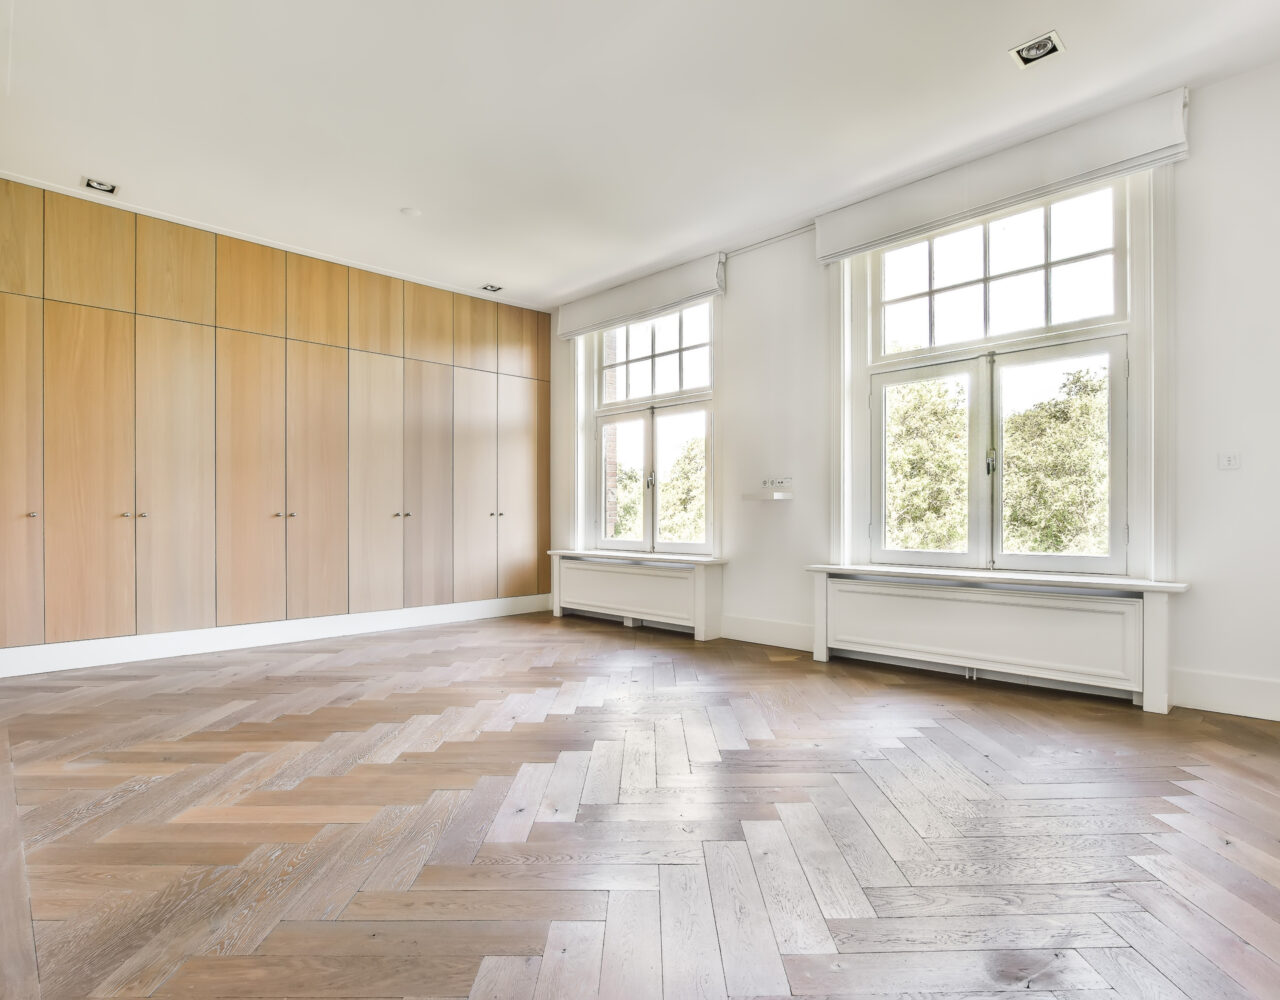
column 599, row 413
column 1141, row 435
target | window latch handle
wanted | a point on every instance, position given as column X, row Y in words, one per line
column 991, row 461
column 649, row 481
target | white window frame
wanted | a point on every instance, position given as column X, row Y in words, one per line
column 1141, row 438
column 647, row 408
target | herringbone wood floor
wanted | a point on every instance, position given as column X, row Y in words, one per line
column 539, row 808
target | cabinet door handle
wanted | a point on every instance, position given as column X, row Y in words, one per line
column 292, row 514
column 143, row 514
column 491, row 514
column 502, row 513
column 34, row 513
column 408, row 513
column 126, row 514
column 396, row 514
column 278, row 513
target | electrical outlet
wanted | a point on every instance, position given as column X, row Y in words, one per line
column 782, row 483
column 764, row 483
column 1229, row 461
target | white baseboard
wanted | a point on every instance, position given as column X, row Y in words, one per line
column 1232, row 694
column 768, row 632
column 132, row 648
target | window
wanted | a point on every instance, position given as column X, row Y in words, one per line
column 996, row 371
column 652, row 389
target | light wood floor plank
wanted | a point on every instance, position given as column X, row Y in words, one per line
column 752, row 963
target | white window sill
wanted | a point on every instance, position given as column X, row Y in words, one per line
column 629, row 555
column 1076, row 581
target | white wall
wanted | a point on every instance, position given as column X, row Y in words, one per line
column 774, row 413
column 1226, row 360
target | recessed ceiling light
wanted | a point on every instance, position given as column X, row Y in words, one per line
column 490, row 288
column 1036, row 49
column 413, row 213
column 102, row 187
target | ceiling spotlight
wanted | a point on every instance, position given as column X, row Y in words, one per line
column 1036, row 49
column 102, row 187
column 490, row 288
column 413, row 213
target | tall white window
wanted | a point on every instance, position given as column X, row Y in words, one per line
column 995, row 358
column 652, row 455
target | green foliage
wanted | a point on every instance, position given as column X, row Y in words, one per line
column 927, row 465
column 682, row 514
column 626, row 523
column 1056, row 458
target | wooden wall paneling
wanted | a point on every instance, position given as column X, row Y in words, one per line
column 177, row 575
column 376, row 312
column 428, row 484
column 517, row 341
column 250, row 458
column 21, row 238
column 517, row 486
column 250, row 291
column 317, row 297
column 21, row 470
column 316, row 479
column 475, row 333
column 88, row 253
column 544, row 487
column 175, row 271
column 428, row 323
column 475, row 485
column 543, row 321
column 377, row 482
column 89, row 474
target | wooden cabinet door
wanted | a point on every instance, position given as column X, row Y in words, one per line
column 517, row 486
column 250, row 287
column 175, row 271
column 21, row 238
column 544, row 487
column 475, row 485
column 250, row 444
column 88, row 252
column 544, row 345
column 377, row 482
column 517, row 341
column 317, row 296
column 88, row 462
column 177, row 578
column 376, row 308
column 475, row 333
column 428, row 323
column 21, row 471
column 428, row 484
column 316, row 480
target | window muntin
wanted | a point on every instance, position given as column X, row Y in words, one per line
column 653, row 433
column 1024, row 272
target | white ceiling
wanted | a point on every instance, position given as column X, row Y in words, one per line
column 560, row 146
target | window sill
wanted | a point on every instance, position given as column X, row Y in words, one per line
column 629, row 555
column 1075, row 581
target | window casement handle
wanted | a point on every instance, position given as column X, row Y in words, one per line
column 649, row 481
column 991, row 461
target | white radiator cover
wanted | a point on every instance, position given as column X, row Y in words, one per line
column 1089, row 640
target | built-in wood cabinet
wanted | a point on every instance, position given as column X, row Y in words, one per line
column 197, row 430
column 89, row 474
column 377, row 505
column 475, row 333
column 428, row 483
column 176, row 271
column 475, row 485
column 517, row 468
column 376, row 313
column 249, row 451
column 316, row 480
column 177, row 579
column 21, row 470
column 21, row 239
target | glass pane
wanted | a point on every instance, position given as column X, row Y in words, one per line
column 1083, row 289
column 615, row 345
column 906, row 271
column 1081, row 225
column 957, row 257
column 957, row 315
column 680, row 456
column 622, row 459
column 1017, row 303
column 697, row 324
column 697, row 367
column 666, row 333
column 1055, row 432
column 926, row 468
column 639, row 340
column 640, row 379
column 1016, row 242
column 906, row 326
column 613, row 384
column 666, row 374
